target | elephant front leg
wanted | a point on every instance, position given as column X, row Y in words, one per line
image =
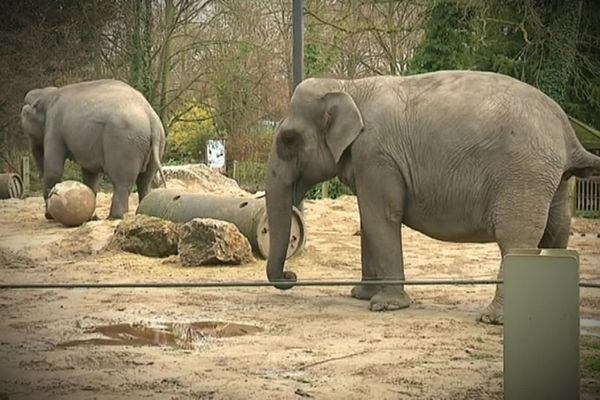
column 366, row 292
column 381, row 209
column 54, row 163
column 391, row 297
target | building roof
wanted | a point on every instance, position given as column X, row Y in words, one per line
column 588, row 136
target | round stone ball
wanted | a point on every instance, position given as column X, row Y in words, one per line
column 71, row 203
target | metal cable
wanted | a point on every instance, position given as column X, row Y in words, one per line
column 234, row 284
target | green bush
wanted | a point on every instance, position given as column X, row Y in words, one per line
column 189, row 130
column 335, row 189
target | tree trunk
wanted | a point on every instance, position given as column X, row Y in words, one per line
column 164, row 61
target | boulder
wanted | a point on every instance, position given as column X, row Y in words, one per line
column 209, row 241
column 148, row 236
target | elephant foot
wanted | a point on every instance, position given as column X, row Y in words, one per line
column 389, row 299
column 364, row 292
column 493, row 314
column 114, row 217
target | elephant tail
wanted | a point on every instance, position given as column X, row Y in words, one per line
column 583, row 163
column 158, row 143
column 586, row 164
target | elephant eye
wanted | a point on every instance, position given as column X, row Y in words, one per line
column 288, row 137
column 289, row 143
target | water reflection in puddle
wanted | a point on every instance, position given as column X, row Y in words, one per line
column 184, row 336
column 590, row 327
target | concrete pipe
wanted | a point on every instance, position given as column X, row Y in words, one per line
column 249, row 215
column 11, row 186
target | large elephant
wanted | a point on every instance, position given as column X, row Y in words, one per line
column 105, row 126
column 458, row 155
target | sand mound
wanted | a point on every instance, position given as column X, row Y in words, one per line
column 200, row 178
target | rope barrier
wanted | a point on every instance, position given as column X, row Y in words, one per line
column 234, row 284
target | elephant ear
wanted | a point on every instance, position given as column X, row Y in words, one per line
column 32, row 121
column 344, row 122
column 30, row 116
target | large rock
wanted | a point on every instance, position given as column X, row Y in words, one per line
column 209, row 241
column 148, row 236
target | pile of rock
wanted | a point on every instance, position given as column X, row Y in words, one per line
column 201, row 241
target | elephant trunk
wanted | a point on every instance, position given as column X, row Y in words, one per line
column 279, row 198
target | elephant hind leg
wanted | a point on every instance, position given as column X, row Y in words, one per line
column 122, row 185
column 556, row 234
column 144, row 181
column 91, row 180
column 521, row 225
column 122, row 165
column 120, row 201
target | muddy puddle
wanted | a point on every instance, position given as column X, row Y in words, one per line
column 178, row 335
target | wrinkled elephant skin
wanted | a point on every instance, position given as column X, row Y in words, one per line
column 105, row 126
column 458, row 155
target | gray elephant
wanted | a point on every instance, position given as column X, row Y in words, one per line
column 460, row 156
column 105, row 126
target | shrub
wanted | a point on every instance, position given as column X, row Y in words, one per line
column 249, row 151
column 335, row 189
column 249, row 175
column 189, row 130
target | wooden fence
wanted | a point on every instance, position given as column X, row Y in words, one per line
column 588, row 194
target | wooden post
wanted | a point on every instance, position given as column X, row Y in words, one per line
column 573, row 196
column 25, row 175
column 325, row 190
column 234, row 170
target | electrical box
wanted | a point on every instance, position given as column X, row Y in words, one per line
column 541, row 325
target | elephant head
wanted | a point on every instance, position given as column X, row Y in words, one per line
column 321, row 123
column 33, row 119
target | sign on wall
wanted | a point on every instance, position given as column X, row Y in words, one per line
column 215, row 154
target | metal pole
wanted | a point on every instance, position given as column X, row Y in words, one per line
column 298, row 42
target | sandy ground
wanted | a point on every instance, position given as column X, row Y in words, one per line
column 315, row 342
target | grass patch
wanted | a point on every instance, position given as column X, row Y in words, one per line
column 588, row 214
column 589, row 349
column 591, row 364
column 250, row 175
column 587, row 342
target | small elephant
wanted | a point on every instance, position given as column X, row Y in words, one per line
column 460, row 156
column 105, row 126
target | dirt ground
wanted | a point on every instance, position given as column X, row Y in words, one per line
column 311, row 342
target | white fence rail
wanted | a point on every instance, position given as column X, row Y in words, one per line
column 588, row 194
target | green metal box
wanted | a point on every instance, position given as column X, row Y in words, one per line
column 541, row 325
